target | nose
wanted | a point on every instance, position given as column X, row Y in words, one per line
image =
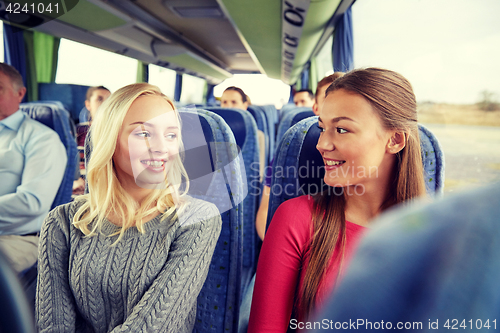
column 325, row 143
column 158, row 144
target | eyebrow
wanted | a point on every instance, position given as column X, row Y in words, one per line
column 151, row 125
column 336, row 120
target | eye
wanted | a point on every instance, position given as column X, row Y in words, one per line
column 320, row 128
column 143, row 134
column 171, row 136
column 340, row 130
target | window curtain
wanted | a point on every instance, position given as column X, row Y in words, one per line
column 178, row 87
column 142, row 72
column 343, row 48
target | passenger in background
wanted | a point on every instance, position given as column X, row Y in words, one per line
column 261, row 219
column 319, row 97
column 371, row 149
column 94, row 98
column 234, row 97
column 131, row 255
column 304, row 97
column 32, row 164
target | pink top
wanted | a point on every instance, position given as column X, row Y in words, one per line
column 279, row 268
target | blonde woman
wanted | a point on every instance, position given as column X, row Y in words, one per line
column 132, row 254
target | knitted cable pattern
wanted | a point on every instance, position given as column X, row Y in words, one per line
column 145, row 283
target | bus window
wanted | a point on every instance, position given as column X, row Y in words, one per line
column 192, row 90
column 1, row 42
column 87, row 65
column 164, row 78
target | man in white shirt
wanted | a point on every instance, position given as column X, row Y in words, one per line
column 32, row 164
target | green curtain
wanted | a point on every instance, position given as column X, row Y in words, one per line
column 46, row 50
column 142, row 72
column 31, row 77
column 313, row 75
column 41, row 60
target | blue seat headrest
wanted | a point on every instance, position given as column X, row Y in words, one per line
column 41, row 113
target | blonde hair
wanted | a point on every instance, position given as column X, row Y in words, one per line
column 106, row 195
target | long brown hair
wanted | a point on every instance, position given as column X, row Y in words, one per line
column 392, row 98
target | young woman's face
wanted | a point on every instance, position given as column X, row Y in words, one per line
column 147, row 144
column 353, row 142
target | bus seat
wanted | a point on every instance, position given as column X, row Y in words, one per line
column 60, row 121
column 244, row 129
column 261, row 120
column 272, row 120
column 220, row 296
column 298, row 151
column 72, row 96
column 291, row 118
column 433, row 159
column 84, row 115
column 284, row 109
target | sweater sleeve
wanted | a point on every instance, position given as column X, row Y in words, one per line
column 278, row 270
column 55, row 307
column 167, row 304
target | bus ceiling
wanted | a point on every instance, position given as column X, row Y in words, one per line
column 212, row 39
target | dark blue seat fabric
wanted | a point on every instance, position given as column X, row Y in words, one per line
column 272, row 121
column 215, row 167
column 284, row 110
column 72, row 96
column 297, row 151
column 261, row 120
column 290, row 118
column 244, row 128
column 60, row 121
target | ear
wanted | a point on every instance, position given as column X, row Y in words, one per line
column 20, row 94
column 397, row 142
column 315, row 109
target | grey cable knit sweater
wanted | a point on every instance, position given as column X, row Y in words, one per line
column 146, row 283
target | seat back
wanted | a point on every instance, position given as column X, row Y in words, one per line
column 244, row 129
column 260, row 118
column 59, row 120
column 216, row 173
column 299, row 168
column 291, row 118
column 72, row 96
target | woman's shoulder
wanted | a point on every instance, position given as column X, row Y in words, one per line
column 66, row 211
column 197, row 210
column 295, row 212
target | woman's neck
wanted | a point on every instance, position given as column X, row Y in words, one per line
column 364, row 203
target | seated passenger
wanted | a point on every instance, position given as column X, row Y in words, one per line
column 234, row 97
column 436, row 269
column 132, row 254
column 304, row 97
column 319, row 97
column 261, row 219
column 32, row 164
column 94, row 98
column 370, row 146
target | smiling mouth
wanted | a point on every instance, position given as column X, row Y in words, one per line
column 333, row 163
column 153, row 163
